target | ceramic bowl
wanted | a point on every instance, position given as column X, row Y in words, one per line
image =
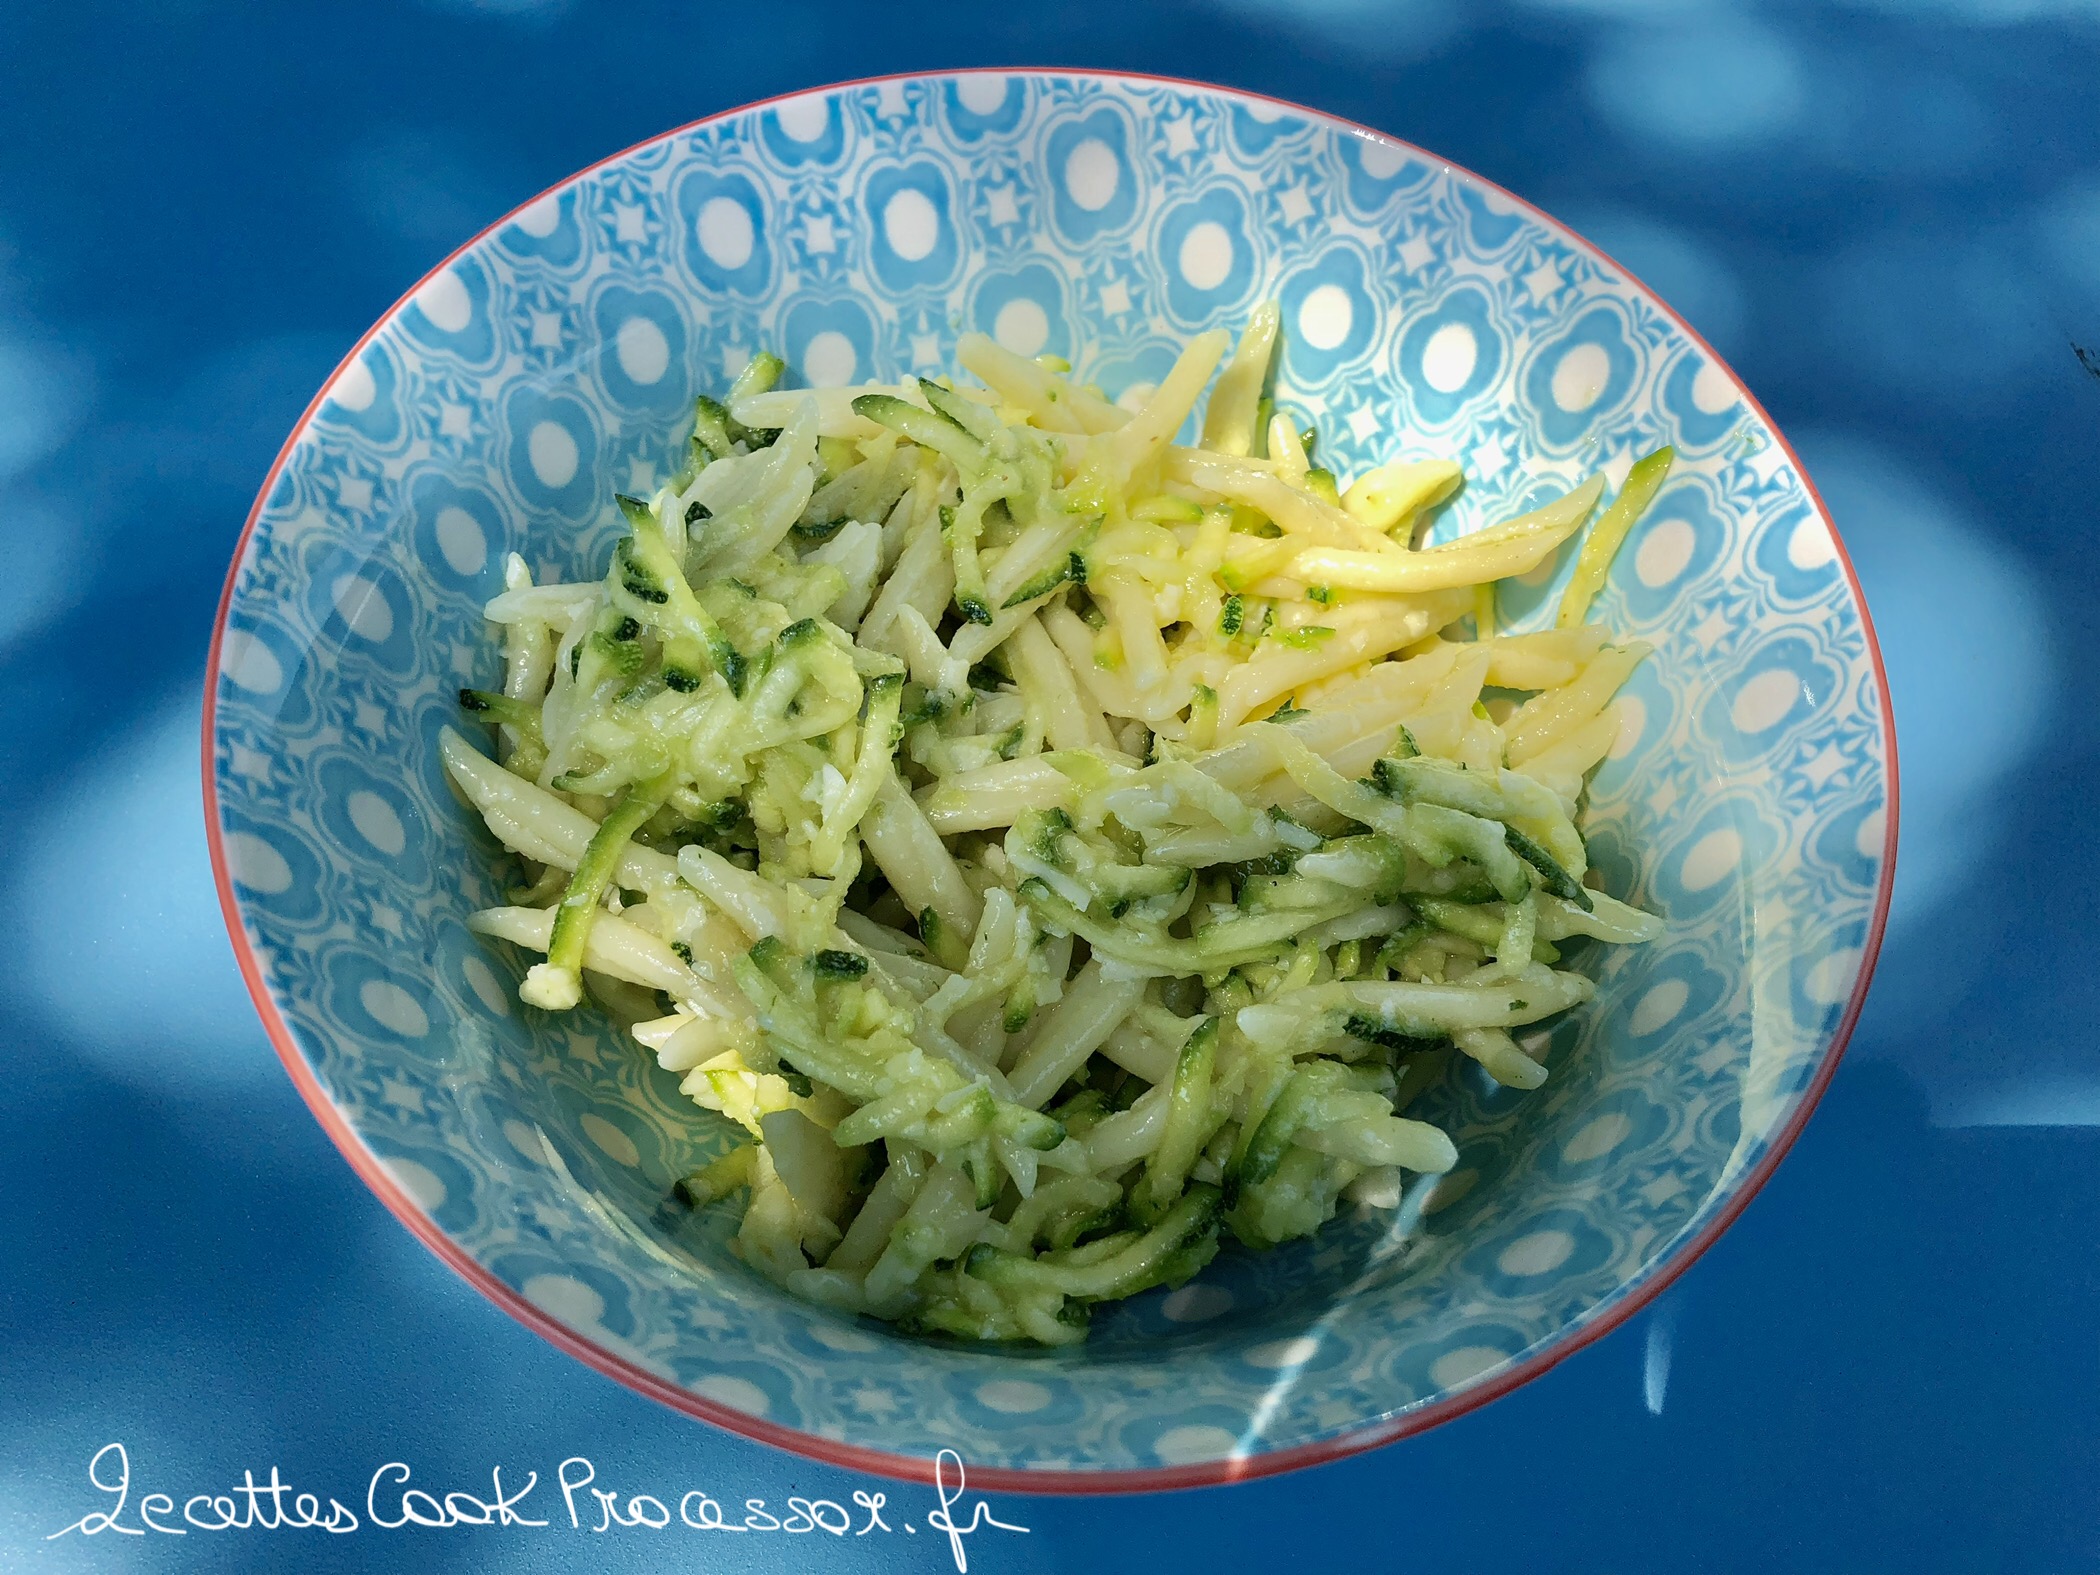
column 859, row 230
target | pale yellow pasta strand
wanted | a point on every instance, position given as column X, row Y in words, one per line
column 1076, row 642
column 1131, row 449
column 1547, row 718
column 1092, row 1008
column 1543, row 660
column 528, row 819
column 1562, row 766
column 1069, row 721
column 613, row 946
column 1052, row 402
column 917, row 863
column 994, row 795
column 1275, row 671
column 1235, row 400
column 924, row 578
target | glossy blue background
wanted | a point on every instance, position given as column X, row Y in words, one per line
column 1887, row 216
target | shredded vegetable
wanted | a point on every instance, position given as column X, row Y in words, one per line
column 1059, row 849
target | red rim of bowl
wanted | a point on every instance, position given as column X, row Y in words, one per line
column 1011, row 1479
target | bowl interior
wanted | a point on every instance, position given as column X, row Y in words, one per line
column 860, row 231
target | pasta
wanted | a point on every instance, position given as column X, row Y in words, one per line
column 1057, row 848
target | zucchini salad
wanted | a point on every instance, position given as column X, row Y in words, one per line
column 1056, row 847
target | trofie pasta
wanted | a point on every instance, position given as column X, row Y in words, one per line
column 1056, row 847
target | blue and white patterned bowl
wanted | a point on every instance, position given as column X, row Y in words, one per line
column 860, row 230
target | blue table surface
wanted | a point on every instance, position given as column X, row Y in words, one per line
column 1885, row 213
